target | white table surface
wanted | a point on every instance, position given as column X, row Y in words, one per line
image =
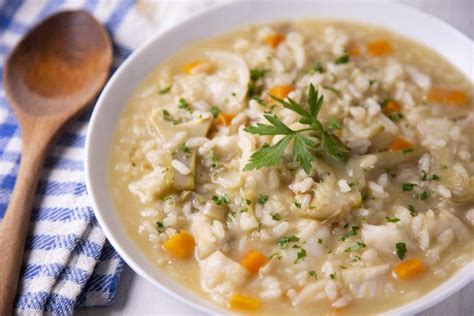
column 137, row 297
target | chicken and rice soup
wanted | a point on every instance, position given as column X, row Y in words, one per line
column 300, row 167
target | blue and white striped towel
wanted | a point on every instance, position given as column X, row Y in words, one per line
column 68, row 262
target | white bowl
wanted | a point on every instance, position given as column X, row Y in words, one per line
column 442, row 38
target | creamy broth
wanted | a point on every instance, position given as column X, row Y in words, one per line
column 423, row 200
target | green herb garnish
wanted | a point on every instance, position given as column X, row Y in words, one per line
column 278, row 256
column 357, row 246
column 412, row 210
column 408, row 150
column 401, row 250
column 276, row 217
column 304, row 147
column 395, row 117
column 168, row 117
column 221, row 199
column 391, row 219
column 165, row 90
column 313, row 274
column 333, row 276
column 406, row 187
column 262, row 199
column 351, row 233
column 215, row 111
column 285, row 241
column 183, row 104
column 300, row 255
column 343, row 59
column 424, row 195
column 160, row 227
column 256, row 73
column 297, row 204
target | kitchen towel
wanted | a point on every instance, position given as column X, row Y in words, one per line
column 68, row 262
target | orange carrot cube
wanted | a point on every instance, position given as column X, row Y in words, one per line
column 409, row 268
column 399, row 143
column 274, row 40
column 379, row 48
column 242, row 302
column 180, row 245
column 253, row 261
column 441, row 95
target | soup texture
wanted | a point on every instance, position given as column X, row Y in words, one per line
column 300, row 167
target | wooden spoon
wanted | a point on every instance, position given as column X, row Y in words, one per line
column 53, row 73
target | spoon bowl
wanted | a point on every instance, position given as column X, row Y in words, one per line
column 53, row 73
column 58, row 65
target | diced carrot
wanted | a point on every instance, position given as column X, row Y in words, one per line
column 280, row 91
column 353, row 50
column 274, row 40
column 399, row 143
column 379, row 48
column 447, row 96
column 242, row 302
column 253, row 261
column 191, row 67
column 224, row 118
column 409, row 268
column 391, row 107
column 180, row 245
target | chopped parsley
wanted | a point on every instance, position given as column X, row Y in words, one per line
column 256, row 74
column 412, row 210
column 278, row 256
column 435, row 177
column 313, row 274
column 357, row 246
column 333, row 276
column 183, row 104
column 215, row 111
column 165, row 90
column 285, row 241
column 343, row 59
column 221, row 199
column 424, row 195
column 168, row 117
column 297, row 204
column 276, row 217
column 408, row 150
column 351, row 233
column 318, row 67
column 356, row 258
column 320, row 241
column 401, row 250
column 160, row 227
column 395, row 117
column 406, row 187
column 184, row 148
column 300, row 255
column 371, row 82
column 262, row 199
column 214, row 159
column 391, row 219
column 334, row 124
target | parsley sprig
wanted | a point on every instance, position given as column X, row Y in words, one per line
column 304, row 147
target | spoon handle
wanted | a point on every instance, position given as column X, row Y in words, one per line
column 15, row 224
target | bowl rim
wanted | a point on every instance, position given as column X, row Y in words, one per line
column 438, row 294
